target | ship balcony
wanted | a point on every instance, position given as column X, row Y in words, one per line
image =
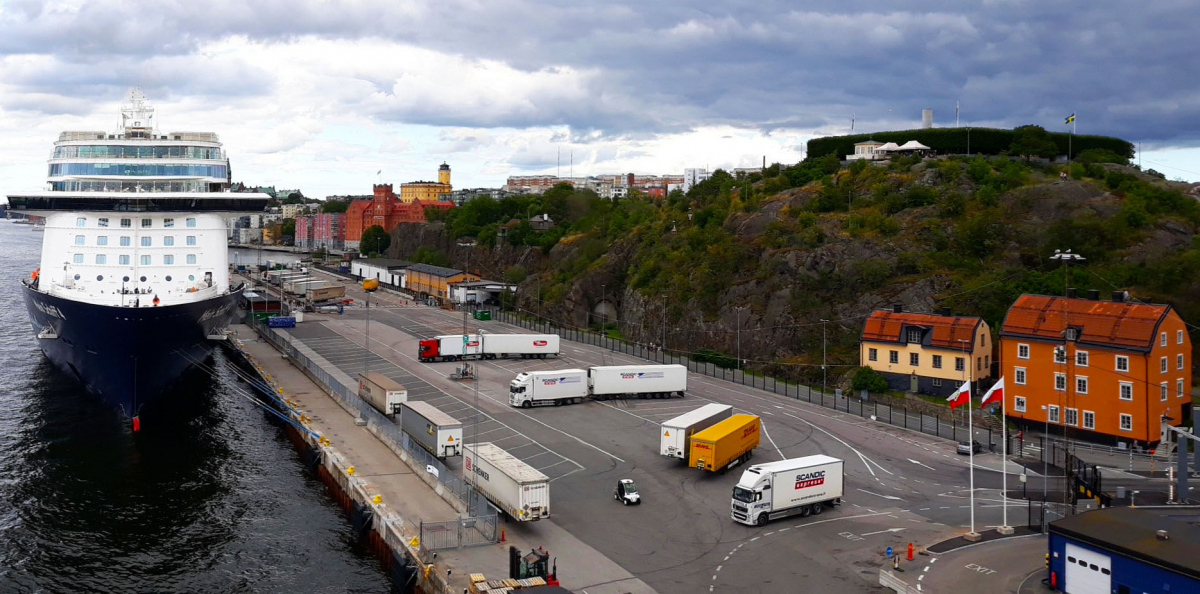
column 134, row 297
column 214, row 202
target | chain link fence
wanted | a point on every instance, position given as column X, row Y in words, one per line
column 954, row 429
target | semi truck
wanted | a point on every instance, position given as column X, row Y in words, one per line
column 804, row 486
column 325, row 293
column 298, row 286
column 725, row 444
column 676, row 434
column 382, row 392
column 515, row 487
column 439, row 433
column 544, row 388
column 600, row 383
column 453, row 347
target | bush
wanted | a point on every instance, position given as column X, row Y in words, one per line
column 949, row 141
column 868, row 379
column 1100, row 155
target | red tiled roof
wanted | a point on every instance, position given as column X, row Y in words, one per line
column 1120, row 324
column 886, row 326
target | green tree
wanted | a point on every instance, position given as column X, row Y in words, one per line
column 288, row 228
column 335, row 206
column 1033, row 141
column 375, row 240
column 868, row 379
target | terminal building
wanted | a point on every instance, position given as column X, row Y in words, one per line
column 1126, row 550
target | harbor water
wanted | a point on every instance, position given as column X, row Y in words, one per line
column 209, row 496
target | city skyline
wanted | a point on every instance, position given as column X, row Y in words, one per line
column 301, row 98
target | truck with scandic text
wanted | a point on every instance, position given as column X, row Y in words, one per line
column 453, row 347
column 800, row 486
column 517, row 488
column 675, row 435
column 725, row 444
column 599, row 383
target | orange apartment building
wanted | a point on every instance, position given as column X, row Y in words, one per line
column 1108, row 370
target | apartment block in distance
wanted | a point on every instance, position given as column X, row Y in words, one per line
column 1106, row 371
column 926, row 353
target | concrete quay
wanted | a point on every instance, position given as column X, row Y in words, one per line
column 409, row 495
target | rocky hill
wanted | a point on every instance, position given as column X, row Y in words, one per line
column 775, row 254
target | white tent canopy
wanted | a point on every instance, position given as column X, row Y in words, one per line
column 913, row 145
column 891, row 146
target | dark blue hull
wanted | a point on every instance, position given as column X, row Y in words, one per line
column 125, row 355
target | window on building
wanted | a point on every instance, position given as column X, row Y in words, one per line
column 1179, row 388
column 894, row 357
column 78, row 258
column 79, row 240
column 978, row 364
column 1081, row 358
column 168, row 259
column 1162, row 339
column 937, row 361
column 101, row 259
column 1163, row 391
column 102, row 222
column 125, row 241
column 872, row 354
column 1179, row 362
column 1179, row 337
column 168, row 222
column 1072, row 333
column 81, row 222
column 937, row 382
column 914, row 335
column 983, row 340
column 1089, row 419
column 1162, row 365
column 102, row 240
column 914, row 359
column 1060, row 381
column 1126, row 390
column 1126, row 422
column 1122, row 363
column 1022, row 351
column 1072, row 417
column 960, row 364
column 123, row 259
column 987, row 361
column 1052, row 412
column 1019, row 372
column 169, row 240
column 145, row 241
column 145, row 260
column 191, row 258
column 146, row 223
column 191, row 240
column 126, row 223
column 1019, row 403
column 1060, row 355
column 191, row 222
column 1081, row 385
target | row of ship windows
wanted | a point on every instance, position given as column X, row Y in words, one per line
column 217, row 171
column 128, row 223
column 124, row 259
column 136, row 152
column 1081, row 384
column 129, row 186
column 126, row 241
column 100, row 277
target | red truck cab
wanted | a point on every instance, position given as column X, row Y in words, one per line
column 427, row 350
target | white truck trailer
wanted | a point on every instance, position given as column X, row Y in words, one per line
column 514, row 486
column 439, row 433
column 545, row 388
column 640, row 381
column 382, row 392
column 775, row 490
column 298, row 286
column 452, row 347
column 325, row 293
column 677, row 433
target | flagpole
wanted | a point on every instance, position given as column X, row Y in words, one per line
column 971, row 440
column 1004, row 454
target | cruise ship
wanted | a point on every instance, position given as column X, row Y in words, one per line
column 133, row 286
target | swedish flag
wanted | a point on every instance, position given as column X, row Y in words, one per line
column 1070, row 118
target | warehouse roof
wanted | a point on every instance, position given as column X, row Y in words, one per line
column 439, row 271
column 1132, row 532
column 388, row 263
column 1116, row 324
column 887, row 325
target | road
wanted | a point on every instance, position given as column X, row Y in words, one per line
column 901, row 486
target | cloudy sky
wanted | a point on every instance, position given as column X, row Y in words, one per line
column 321, row 95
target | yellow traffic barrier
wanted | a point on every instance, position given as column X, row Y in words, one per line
column 377, row 499
column 350, row 471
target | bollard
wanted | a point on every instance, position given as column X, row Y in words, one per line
column 910, row 551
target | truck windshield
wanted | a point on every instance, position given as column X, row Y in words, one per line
column 743, row 495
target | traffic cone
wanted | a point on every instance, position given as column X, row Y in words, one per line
column 501, row 535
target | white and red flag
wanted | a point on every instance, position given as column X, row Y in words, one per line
column 995, row 394
column 961, row 396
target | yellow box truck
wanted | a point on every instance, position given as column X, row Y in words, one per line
column 725, row 444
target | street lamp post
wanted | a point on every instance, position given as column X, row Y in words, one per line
column 739, row 335
column 824, row 370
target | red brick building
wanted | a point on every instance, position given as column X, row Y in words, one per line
column 386, row 210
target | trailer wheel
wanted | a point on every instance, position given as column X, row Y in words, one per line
column 763, row 518
column 805, row 511
column 817, row 508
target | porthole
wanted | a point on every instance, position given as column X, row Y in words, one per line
column 99, row 277
column 76, row 277
column 191, row 277
column 125, row 279
column 168, row 278
column 143, row 279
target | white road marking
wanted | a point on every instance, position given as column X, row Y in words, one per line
column 864, row 459
column 882, row 531
column 777, row 450
column 883, row 496
column 921, row 464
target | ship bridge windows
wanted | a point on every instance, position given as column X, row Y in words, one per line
column 135, row 169
column 137, row 152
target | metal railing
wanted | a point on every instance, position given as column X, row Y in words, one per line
column 897, row 416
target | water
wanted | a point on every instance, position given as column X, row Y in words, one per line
column 208, row 497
